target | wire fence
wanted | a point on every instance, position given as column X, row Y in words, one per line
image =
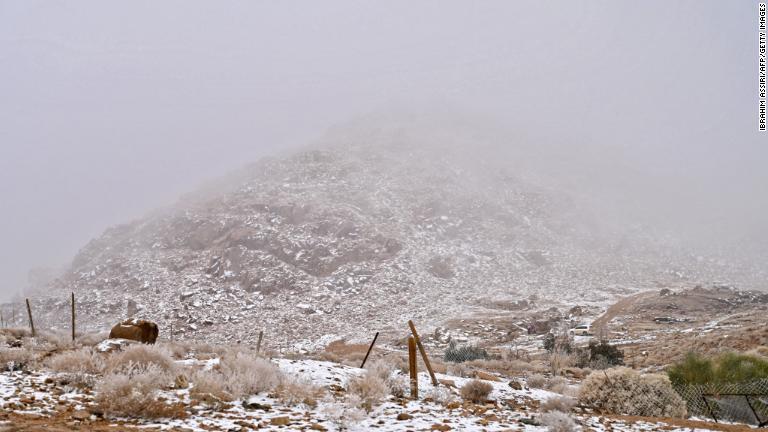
column 741, row 403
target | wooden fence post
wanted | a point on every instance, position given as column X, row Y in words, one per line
column 423, row 352
column 369, row 350
column 73, row 316
column 31, row 323
column 412, row 367
column 258, row 344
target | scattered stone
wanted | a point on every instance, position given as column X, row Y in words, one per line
column 281, row 421
column 486, row 376
column 404, row 416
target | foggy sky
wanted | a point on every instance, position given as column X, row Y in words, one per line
column 110, row 109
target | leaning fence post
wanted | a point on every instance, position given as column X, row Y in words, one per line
column 31, row 323
column 412, row 367
column 73, row 317
column 258, row 344
column 423, row 352
column 369, row 350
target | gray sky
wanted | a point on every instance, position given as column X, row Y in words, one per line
column 110, row 109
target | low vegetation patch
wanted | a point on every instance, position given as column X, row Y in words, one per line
column 134, row 392
column 726, row 368
column 456, row 354
column 476, row 391
column 625, row 391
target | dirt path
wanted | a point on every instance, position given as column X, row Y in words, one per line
column 619, row 308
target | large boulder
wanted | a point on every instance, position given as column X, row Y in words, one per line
column 134, row 329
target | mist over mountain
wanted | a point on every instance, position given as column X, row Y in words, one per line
column 431, row 216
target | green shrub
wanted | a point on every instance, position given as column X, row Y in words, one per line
column 604, row 355
column 464, row 353
column 728, row 367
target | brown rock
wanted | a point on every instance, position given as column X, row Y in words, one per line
column 486, row 376
column 81, row 415
column 404, row 416
column 440, row 427
column 447, row 382
column 280, row 421
column 515, row 384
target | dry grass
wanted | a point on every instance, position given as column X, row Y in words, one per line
column 557, row 421
column 177, row 350
column 136, row 394
column 83, row 360
column 247, row 375
column 370, row 388
column 295, row 391
column 209, row 387
column 558, row 403
column 91, row 339
column 140, row 355
column 476, row 391
column 538, row 381
column 12, row 359
column 441, row 395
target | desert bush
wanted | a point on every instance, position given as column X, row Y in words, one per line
column 560, row 343
column 177, row 350
column 505, row 367
column 476, row 391
column 296, row 391
column 604, row 355
column 135, row 394
column 83, row 360
column 559, row 360
column 91, row 339
column 536, row 381
column 624, row 391
column 370, row 388
column 725, row 368
column 56, row 340
column 557, row 421
column 247, row 375
column 441, row 395
column 140, row 355
column 464, row 353
column 15, row 359
column 558, row 403
column 209, row 386
column 344, row 414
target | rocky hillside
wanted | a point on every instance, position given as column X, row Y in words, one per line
column 368, row 228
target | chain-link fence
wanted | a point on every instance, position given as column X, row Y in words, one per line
column 741, row 403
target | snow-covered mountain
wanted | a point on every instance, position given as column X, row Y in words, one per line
column 376, row 224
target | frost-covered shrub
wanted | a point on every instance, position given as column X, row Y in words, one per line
column 476, row 391
column 14, row 359
column 558, row 403
column 370, row 388
column 83, row 360
column 91, row 339
column 441, row 395
column 246, row 375
column 557, row 421
column 134, row 392
column 140, row 355
column 624, row 391
column 344, row 414
column 209, row 386
column 295, row 391
column 536, row 381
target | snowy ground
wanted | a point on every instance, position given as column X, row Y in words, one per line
column 36, row 394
